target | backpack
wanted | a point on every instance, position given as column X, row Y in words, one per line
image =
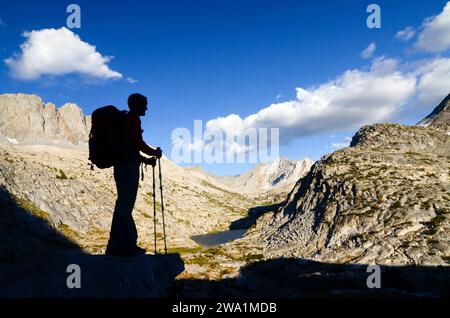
column 105, row 138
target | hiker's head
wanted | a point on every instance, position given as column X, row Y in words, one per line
column 137, row 103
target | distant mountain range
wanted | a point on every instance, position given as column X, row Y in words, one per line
column 282, row 172
column 26, row 119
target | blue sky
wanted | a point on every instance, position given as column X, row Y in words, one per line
column 210, row 59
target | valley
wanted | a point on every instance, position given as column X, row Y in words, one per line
column 384, row 200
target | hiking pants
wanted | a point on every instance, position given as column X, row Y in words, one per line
column 123, row 236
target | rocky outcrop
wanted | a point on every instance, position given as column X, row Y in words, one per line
column 26, row 119
column 385, row 199
column 281, row 172
column 439, row 117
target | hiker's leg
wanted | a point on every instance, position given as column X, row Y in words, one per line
column 123, row 235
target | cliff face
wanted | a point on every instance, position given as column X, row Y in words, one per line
column 26, row 119
column 385, row 199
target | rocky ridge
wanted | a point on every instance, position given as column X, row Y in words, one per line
column 27, row 119
column 384, row 199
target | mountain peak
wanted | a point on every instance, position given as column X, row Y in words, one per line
column 280, row 172
column 439, row 117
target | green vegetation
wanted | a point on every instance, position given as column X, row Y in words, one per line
column 397, row 204
column 359, row 236
column 31, row 208
column 434, row 224
column 404, row 245
column 99, row 233
column 437, row 220
column 184, row 250
column 68, row 232
column 199, row 260
column 8, row 159
column 214, row 201
column 62, row 175
column 225, row 271
column 207, row 184
column 426, row 205
column 253, row 257
column 412, row 153
column 215, row 251
column 432, row 242
column 444, row 211
column 148, row 198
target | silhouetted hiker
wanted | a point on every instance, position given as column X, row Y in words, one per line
column 123, row 236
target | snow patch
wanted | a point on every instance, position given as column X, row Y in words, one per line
column 424, row 123
column 12, row 140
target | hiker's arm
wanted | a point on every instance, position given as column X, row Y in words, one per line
column 142, row 146
column 147, row 149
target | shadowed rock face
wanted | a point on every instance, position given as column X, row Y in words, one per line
column 34, row 258
column 385, row 199
column 25, row 118
column 100, row 276
column 296, row 278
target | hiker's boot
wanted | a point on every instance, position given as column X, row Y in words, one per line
column 139, row 250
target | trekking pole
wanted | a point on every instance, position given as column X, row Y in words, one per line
column 162, row 204
column 154, row 206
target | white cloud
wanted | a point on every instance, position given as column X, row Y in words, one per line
column 131, row 80
column 367, row 53
column 2, row 23
column 58, row 52
column 406, row 34
column 435, row 34
column 353, row 99
column 279, row 96
column 345, row 143
column 433, row 81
